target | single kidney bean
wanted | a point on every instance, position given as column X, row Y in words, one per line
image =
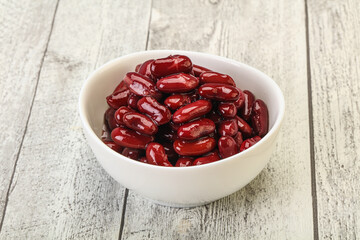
column 141, row 85
column 119, row 114
column 118, row 99
column 199, row 70
column 121, row 87
column 110, row 119
column 238, row 139
column 215, row 77
column 260, row 118
column 132, row 153
column 228, row 128
column 155, row 154
column 227, row 109
column 219, row 91
column 176, row 101
column 138, row 67
column 113, row 146
column 129, row 138
column 241, row 100
column 139, row 122
column 194, row 148
column 172, row 64
column 191, row 111
column 227, row 146
column 208, row 158
column 244, row 127
column 196, row 129
column 249, row 142
column 144, row 69
column 180, row 82
column 157, row 112
column 184, row 162
column 132, row 100
column 249, row 99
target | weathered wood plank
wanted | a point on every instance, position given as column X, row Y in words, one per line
column 21, row 54
column 335, row 73
column 59, row 190
column 269, row 35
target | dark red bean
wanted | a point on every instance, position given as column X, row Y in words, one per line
column 244, row 127
column 208, row 158
column 139, row 122
column 113, row 146
column 184, row 162
column 121, row 87
column 260, row 118
column 176, row 101
column 228, row 128
column 191, row 111
column 170, row 65
column 249, row 142
column 177, row 83
column 132, row 101
column 194, row 148
column 219, row 92
column 138, row 67
column 119, row 114
column 238, row 139
column 215, row 117
column 144, row 69
column 110, row 119
column 241, row 100
column 196, row 129
column 227, row 109
column 118, row 99
column 249, row 99
column 129, row 138
column 132, row 153
column 155, row 154
column 227, row 146
column 199, row 70
column 141, row 85
column 105, row 133
column 215, row 77
column 157, row 112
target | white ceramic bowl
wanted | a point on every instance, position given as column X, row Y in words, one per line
column 187, row 186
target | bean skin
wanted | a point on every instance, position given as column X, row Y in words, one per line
column 145, row 70
column 249, row 99
column 260, row 118
column 118, row 99
column 244, row 127
column 170, row 65
column 138, row 67
column 191, row 111
column 227, row 146
column 110, row 119
column 194, row 148
column 131, row 153
column 227, row 109
column 121, row 87
column 238, row 139
column 177, row 83
column 208, row 158
column 199, row 70
column 219, row 92
column 119, row 114
column 113, row 146
column 176, row 101
column 196, row 129
column 129, row 138
column 184, row 162
column 241, row 100
column 215, row 77
column 139, row 122
column 132, row 101
column 157, row 112
column 155, row 154
column 249, row 142
column 228, row 128
column 141, row 85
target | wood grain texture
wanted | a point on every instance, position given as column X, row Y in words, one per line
column 269, row 35
column 335, row 73
column 59, row 190
column 21, row 55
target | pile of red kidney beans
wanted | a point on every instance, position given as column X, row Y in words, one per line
column 171, row 112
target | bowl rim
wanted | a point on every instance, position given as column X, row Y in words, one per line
column 87, row 127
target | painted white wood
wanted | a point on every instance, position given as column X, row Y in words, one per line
column 24, row 31
column 269, row 35
column 335, row 73
column 59, row 189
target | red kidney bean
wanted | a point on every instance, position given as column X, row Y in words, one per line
column 144, row 69
column 227, row 109
column 172, row 64
column 215, row 77
column 194, row 148
column 159, row 113
column 199, row 70
column 184, row 162
column 155, row 154
column 249, row 99
column 129, row 138
column 141, row 85
column 208, row 158
column 227, row 146
column 244, row 127
column 241, row 100
column 121, row 87
column 228, row 128
column 139, row 122
column 119, row 114
column 249, row 142
column 196, row 129
column 110, row 118
column 238, row 139
column 144, row 160
column 260, row 118
column 176, row 101
column 219, row 92
column 113, row 146
column 215, row 117
column 180, row 82
column 191, row 111
column 138, row 67
column 132, row 153
column 132, row 101
column 118, row 99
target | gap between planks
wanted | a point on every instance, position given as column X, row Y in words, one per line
column 29, row 115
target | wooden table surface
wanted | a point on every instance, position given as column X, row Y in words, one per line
column 52, row 187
